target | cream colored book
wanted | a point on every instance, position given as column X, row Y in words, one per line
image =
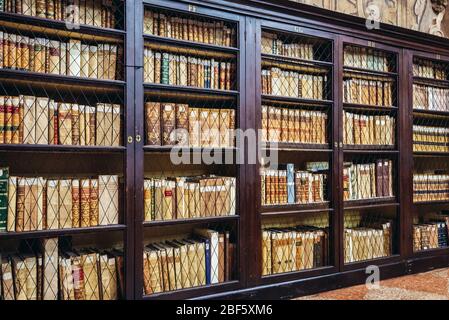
column 82, row 125
column 101, row 125
column 108, row 200
column 84, row 61
column 90, row 271
column 63, row 68
column 93, row 62
column 65, row 204
column 29, row 119
column 42, row 120
column 74, row 50
column 116, row 125
column 65, row 123
column 50, row 269
column 52, row 205
column 108, row 275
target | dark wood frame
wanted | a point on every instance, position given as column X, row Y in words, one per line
column 251, row 15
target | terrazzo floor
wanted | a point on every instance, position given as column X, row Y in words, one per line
column 433, row 285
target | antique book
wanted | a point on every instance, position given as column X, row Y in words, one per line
column 52, row 205
column 65, row 204
column 74, row 58
column 108, row 275
column 153, row 123
column 4, row 182
column 89, row 261
column 85, row 189
column 12, row 204
column 65, row 124
column 108, row 200
column 116, row 125
column 20, row 214
column 93, row 203
column 168, row 124
column 42, row 120
column 50, row 269
column 7, row 281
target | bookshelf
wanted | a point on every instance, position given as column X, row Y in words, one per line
column 202, row 52
column 63, row 153
column 313, row 87
column 429, row 154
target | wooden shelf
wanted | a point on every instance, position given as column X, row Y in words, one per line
column 61, row 82
column 297, row 61
column 281, row 99
column 190, row 44
column 429, row 154
column 50, row 27
column 150, row 224
column 59, row 148
column 369, row 72
column 371, row 203
column 295, row 209
column 176, row 90
column 431, row 82
column 369, row 108
column 430, row 113
column 297, row 147
column 430, row 203
column 60, row 232
column 168, row 149
column 369, row 150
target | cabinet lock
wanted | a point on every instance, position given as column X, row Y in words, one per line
column 130, row 139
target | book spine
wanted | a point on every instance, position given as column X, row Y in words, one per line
column 4, row 181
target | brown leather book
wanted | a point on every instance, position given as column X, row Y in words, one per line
column 76, row 202
column 93, row 203
column 85, row 203
column 168, row 124
column 182, row 124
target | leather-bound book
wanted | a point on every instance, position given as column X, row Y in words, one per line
column 85, row 203
column 53, row 132
column 116, row 125
column 153, row 123
column 148, row 199
column 52, row 214
column 182, row 124
column 20, row 278
column 76, row 203
column 12, row 204
column 79, row 285
column 108, row 276
column 93, row 203
column 66, row 284
column 42, row 120
column 75, row 125
column 92, row 124
column 168, row 124
column 84, row 61
column 93, row 61
column 54, row 58
column 7, row 281
column 82, row 125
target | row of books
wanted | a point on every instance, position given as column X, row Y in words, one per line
column 33, row 204
column 288, row 125
column 206, row 257
column 368, row 92
column 430, row 139
column 173, row 69
column 368, row 180
column 278, row 82
column 271, row 44
column 368, row 130
column 430, row 187
column 289, row 186
column 432, row 235
column 38, row 120
column 53, row 273
column 429, row 69
column 293, row 249
column 180, row 124
column 430, row 98
column 73, row 58
column 90, row 12
column 366, row 58
column 188, row 29
column 189, row 197
column 371, row 240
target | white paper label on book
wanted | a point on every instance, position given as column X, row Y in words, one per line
column 7, row 276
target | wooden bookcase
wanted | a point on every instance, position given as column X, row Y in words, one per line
column 328, row 35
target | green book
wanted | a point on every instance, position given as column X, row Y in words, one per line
column 4, row 176
column 165, row 78
column 2, row 5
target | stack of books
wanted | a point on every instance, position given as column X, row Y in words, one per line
column 289, row 186
column 368, row 180
column 204, row 258
column 370, row 240
column 90, row 12
column 38, row 120
column 430, row 69
column 52, row 273
column 368, row 92
column 366, row 58
column 189, row 197
column 73, row 58
column 193, row 71
column 293, row 249
column 432, row 235
column 430, row 187
column 271, row 44
column 286, row 125
column 368, row 130
column 179, row 124
column 430, row 139
column 38, row 203
column 189, row 29
column 286, row 83
column 426, row 97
